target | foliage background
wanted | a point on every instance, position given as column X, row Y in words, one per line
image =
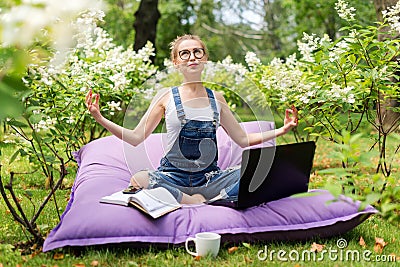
column 332, row 66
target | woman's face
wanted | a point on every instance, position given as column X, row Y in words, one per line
column 191, row 57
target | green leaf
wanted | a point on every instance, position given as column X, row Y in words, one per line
column 372, row 198
column 14, row 156
column 14, row 82
column 9, row 103
column 334, row 189
column 246, row 245
column 35, row 118
column 339, row 172
column 17, row 123
column 388, row 207
column 28, row 193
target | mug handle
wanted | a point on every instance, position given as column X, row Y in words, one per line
column 187, row 246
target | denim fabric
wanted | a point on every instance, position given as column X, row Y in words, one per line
column 222, row 182
column 191, row 164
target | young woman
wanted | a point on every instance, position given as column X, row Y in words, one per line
column 192, row 115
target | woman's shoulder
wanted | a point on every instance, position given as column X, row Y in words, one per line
column 162, row 96
column 219, row 96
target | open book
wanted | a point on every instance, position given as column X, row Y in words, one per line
column 154, row 202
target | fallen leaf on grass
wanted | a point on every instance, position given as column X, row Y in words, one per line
column 316, row 247
column 197, row 258
column 247, row 259
column 58, row 256
column 94, row 263
column 379, row 244
column 362, row 242
column 232, row 249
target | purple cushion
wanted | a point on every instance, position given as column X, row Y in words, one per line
column 106, row 165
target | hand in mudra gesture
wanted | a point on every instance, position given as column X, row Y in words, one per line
column 291, row 119
column 92, row 103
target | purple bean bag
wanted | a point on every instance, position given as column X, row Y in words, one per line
column 106, row 165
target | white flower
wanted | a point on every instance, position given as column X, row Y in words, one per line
column 325, row 39
column 227, row 65
column 252, row 60
column 276, row 62
column 44, row 124
column 391, row 15
column 307, row 46
column 168, row 63
column 120, row 81
column 70, row 120
column 344, row 11
column 333, row 56
column 291, row 61
column 342, row 93
column 227, row 61
column 350, row 99
column 304, row 99
column 115, row 105
column 348, row 89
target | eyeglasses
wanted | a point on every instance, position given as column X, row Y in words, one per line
column 198, row 53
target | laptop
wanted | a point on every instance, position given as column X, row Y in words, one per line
column 272, row 173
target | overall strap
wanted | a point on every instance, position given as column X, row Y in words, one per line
column 213, row 105
column 178, row 104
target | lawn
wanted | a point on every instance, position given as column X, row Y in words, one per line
column 375, row 242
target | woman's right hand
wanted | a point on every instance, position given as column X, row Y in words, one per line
column 92, row 104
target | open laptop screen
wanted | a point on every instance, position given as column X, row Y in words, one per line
column 271, row 173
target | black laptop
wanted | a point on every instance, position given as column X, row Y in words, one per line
column 272, row 173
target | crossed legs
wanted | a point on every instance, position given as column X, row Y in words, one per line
column 141, row 180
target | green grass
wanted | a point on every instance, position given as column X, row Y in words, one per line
column 246, row 255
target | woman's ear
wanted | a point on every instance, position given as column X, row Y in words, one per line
column 176, row 65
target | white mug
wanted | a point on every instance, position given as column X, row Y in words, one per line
column 206, row 243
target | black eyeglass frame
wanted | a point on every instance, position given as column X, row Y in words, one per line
column 194, row 51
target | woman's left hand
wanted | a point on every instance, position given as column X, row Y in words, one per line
column 291, row 119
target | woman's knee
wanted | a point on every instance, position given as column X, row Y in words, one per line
column 140, row 179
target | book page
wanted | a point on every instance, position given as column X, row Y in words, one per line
column 118, row 198
column 156, row 198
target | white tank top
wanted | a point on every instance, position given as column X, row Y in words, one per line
column 173, row 124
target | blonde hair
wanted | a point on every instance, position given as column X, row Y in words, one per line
column 175, row 43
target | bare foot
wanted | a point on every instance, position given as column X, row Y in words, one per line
column 199, row 198
column 193, row 199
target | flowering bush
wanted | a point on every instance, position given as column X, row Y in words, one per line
column 55, row 107
column 54, row 120
column 32, row 26
column 340, row 85
column 333, row 78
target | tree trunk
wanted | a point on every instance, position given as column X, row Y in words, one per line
column 387, row 118
column 145, row 25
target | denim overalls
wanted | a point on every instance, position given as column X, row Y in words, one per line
column 190, row 166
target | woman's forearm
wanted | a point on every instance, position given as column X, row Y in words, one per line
column 130, row 136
